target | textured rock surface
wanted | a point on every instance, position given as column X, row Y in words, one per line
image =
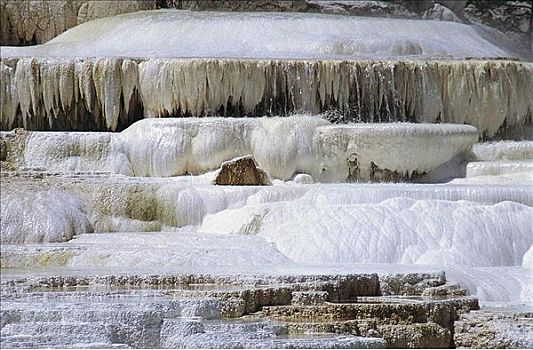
column 221, row 311
column 3, row 150
column 30, row 22
column 309, row 298
column 356, row 8
column 409, row 284
column 241, row 171
column 495, row 330
column 398, row 9
column 417, row 336
column 13, row 146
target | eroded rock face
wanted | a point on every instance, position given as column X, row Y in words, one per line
column 30, row 22
column 410, row 284
column 200, row 315
column 396, row 9
column 309, row 298
column 242, row 171
column 416, row 336
column 237, row 5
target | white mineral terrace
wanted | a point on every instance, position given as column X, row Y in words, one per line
column 128, row 239
column 471, row 227
column 172, row 33
column 480, row 234
column 365, row 69
column 283, row 147
column 485, row 244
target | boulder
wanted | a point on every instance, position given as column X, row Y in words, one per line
column 242, row 171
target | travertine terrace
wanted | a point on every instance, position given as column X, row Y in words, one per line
column 185, row 179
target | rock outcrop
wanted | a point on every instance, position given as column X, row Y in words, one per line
column 30, row 22
column 242, row 171
column 239, row 305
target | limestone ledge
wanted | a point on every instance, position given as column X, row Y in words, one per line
column 252, row 300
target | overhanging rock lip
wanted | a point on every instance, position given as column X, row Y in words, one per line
column 400, row 128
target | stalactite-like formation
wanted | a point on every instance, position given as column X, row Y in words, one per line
column 61, row 94
column 109, row 94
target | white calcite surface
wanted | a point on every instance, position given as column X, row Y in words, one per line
column 502, row 151
column 498, row 286
column 388, row 146
column 185, row 252
column 397, row 230
column 169, row 147
column 42, row 216
column 106, row 204
column 527, row 262
column 495, row 168
column 486, row 248
column 71, row 152
column 262, row 35
column 479, row 234
column 284, row 147
column 502, row 162
column 512, row 179
column 157, row 251
column 122, row 204
column 503, row 159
